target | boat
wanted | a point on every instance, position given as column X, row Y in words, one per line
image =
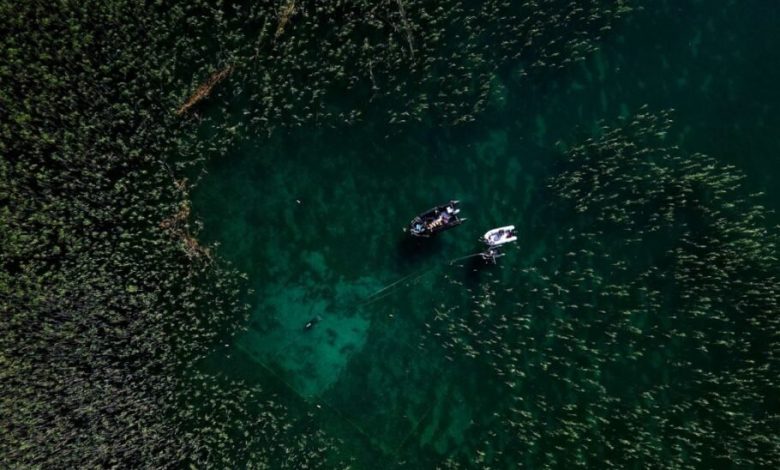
column 500, row 236
column 436, row 220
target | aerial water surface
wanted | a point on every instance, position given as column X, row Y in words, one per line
column 583, row 344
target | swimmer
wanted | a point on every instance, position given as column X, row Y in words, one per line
column 310, row 324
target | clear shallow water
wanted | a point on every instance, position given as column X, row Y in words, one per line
column 314, row 217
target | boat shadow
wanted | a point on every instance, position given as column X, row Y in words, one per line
column 413, row 251
column 474, row 269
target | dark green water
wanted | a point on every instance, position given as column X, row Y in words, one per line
column 314, row 217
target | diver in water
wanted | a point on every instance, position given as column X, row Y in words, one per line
column 492, row 254
column 310, row 324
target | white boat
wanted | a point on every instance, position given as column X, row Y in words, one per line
column 500, row 236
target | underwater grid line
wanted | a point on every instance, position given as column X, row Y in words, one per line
column 330, row 407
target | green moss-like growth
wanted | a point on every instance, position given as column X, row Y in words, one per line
column 108, row 298
column 646, row 336
column 107, row 108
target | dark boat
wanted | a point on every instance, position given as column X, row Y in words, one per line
column 436, row 220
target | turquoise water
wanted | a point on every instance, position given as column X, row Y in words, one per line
column 540, row 360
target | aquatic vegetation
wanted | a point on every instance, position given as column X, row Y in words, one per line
column 644, row 333
column 328, row 63
column 109, row 301
column 648, row 338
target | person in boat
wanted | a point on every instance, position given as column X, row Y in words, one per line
column 435, row 220
column 496, row 236
column 500, row 236
column 442, row 219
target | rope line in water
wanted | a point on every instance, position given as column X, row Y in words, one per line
column 374, row 297
column 388, row 289
column 418, row 273
column 415, row 429
column 451, row 262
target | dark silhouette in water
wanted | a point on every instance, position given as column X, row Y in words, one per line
column 474, row 267
column 417, row 250
column 491, row 255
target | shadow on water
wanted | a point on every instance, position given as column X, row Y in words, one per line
column 418, row 251
column 474, row 270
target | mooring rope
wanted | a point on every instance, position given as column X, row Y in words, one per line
column 389, row 289
column 451, row 262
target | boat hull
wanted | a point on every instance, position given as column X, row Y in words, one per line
column 435, row 220
column 500, row 236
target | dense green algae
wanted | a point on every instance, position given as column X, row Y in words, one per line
column 108, row 298
column 422, row 389
column 644, row 336
column 114, row 304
